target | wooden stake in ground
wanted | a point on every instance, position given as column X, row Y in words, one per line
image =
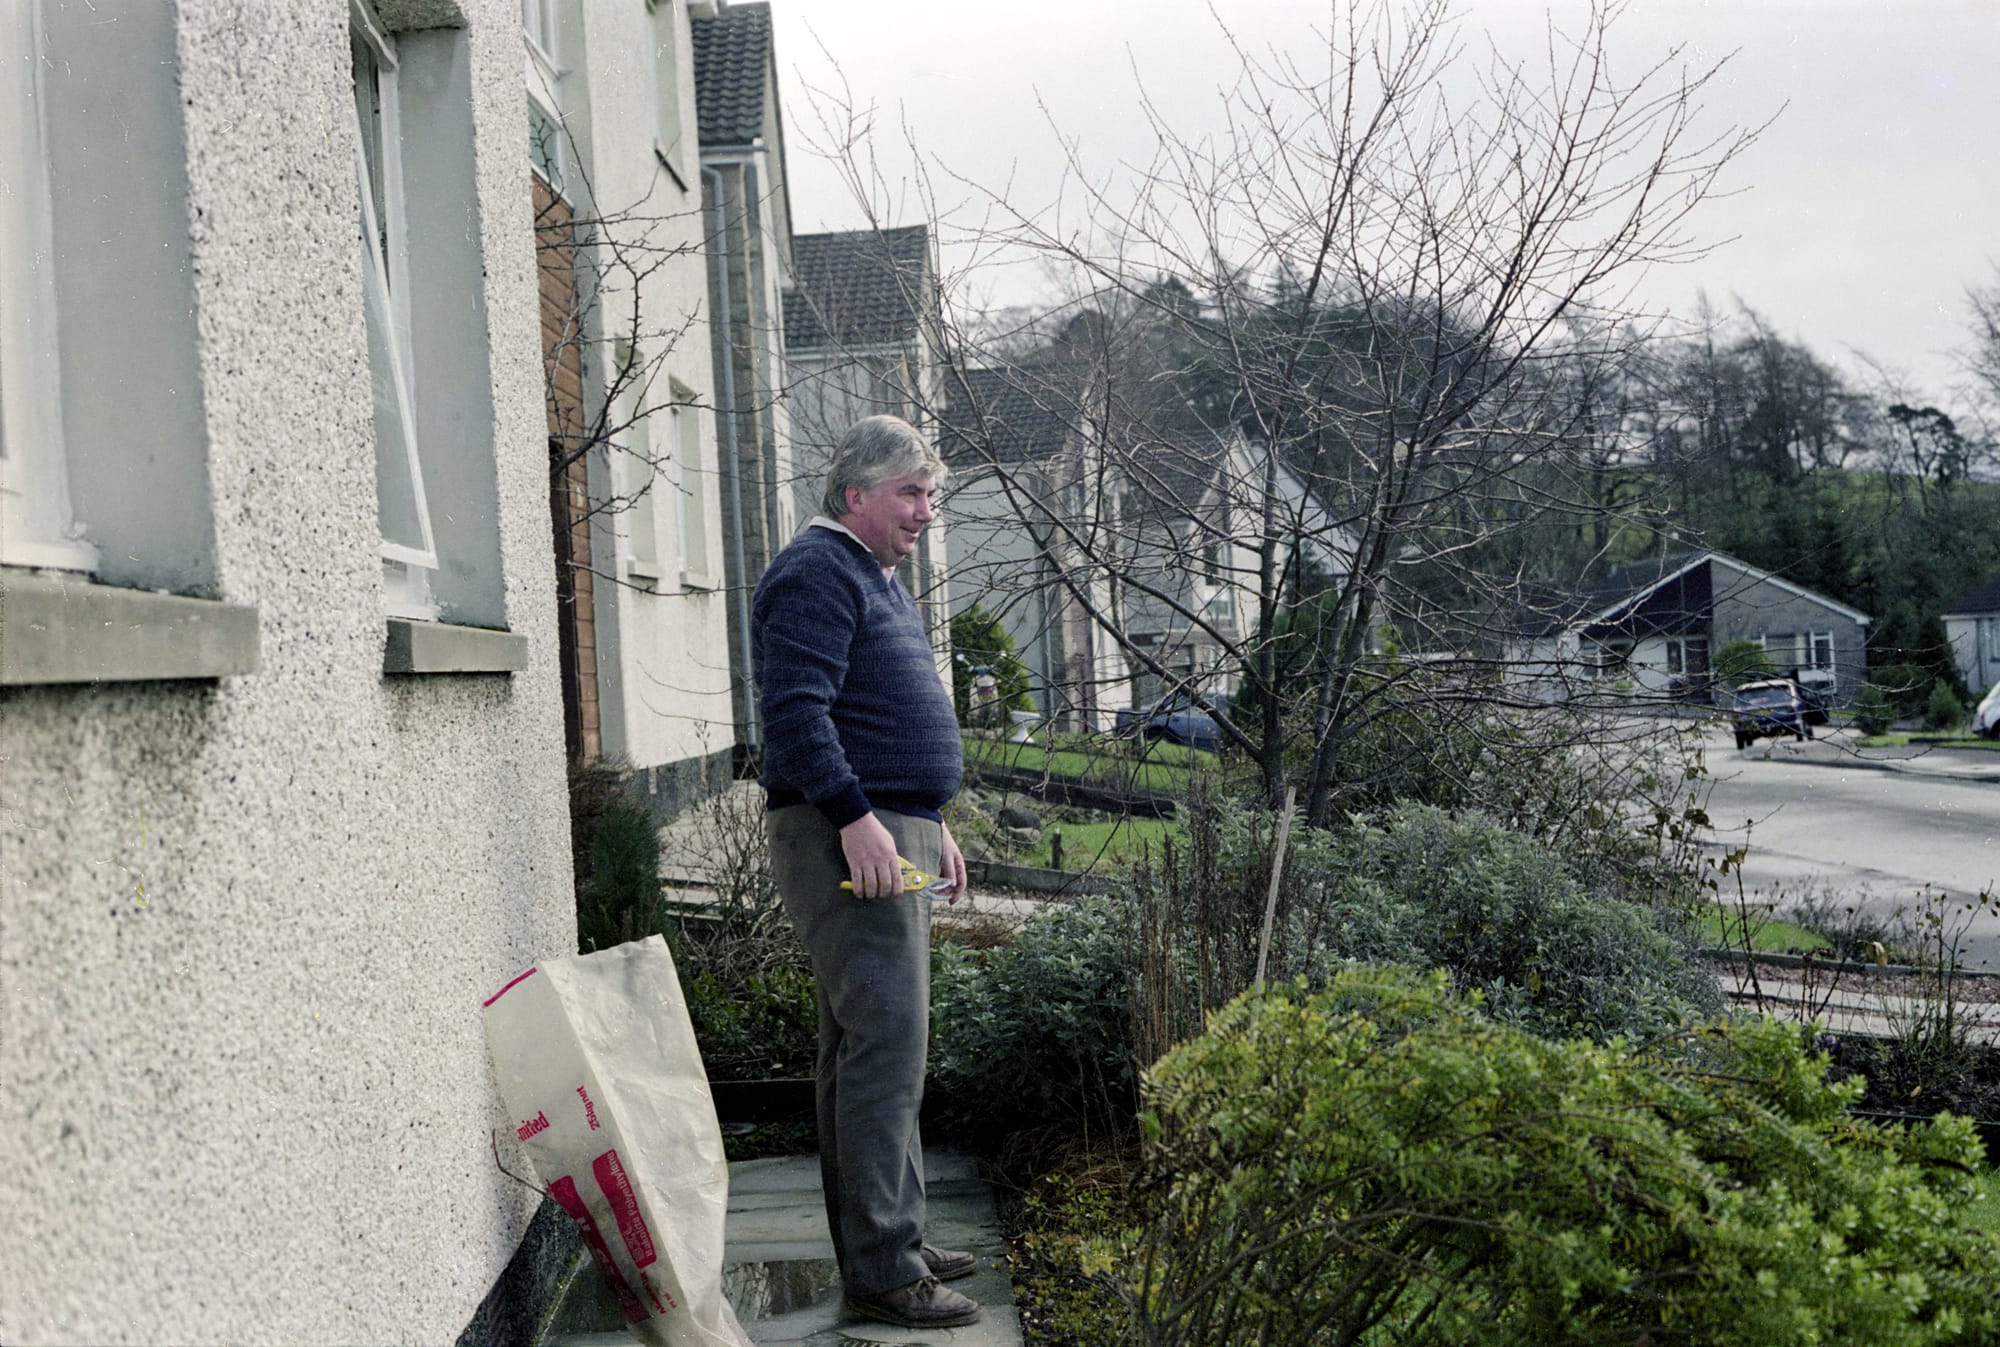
column 1277, row 871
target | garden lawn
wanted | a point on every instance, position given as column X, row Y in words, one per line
column 1101, row 848
column 1164, row 770
column 1928, row 739
column 1723, row 927
column 1985, row 1213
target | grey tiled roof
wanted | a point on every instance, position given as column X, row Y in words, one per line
column 1002, row 416
column 732, row 64
column 1985, row 599
column 857, row 288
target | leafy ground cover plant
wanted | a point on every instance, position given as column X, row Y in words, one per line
column 1379, row 1162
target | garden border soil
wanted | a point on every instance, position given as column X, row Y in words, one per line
column 1052, row 789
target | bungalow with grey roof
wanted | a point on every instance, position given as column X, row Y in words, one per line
column 1655, row 626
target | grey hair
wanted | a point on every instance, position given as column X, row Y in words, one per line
column 875, row 450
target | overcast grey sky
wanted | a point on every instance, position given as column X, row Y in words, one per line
column 1857, row 219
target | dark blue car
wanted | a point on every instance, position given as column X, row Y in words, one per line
column 1176, row 720
column 1767, row 710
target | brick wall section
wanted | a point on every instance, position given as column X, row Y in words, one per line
column 569, row 480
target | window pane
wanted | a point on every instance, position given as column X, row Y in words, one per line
column 691, row 500
column 398, row 495
column 399, row 485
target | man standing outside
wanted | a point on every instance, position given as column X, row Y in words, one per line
column 861, row 752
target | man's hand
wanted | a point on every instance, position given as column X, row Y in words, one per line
column 871, row 858
column 951, row 866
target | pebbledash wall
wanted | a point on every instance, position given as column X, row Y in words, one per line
column 268, row 832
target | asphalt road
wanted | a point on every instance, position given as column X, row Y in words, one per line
column 1821, row 824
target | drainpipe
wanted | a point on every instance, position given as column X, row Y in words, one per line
column 719, row 243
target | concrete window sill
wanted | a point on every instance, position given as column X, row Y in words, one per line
column 439, row 648
column 67, row 629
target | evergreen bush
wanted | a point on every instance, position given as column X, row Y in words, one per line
column 1381, row 1163
column 1943, row 710
column 1738, row 662
column 981, row 640
column 619, row 899
column 1873, row 713
column 1037, row 1032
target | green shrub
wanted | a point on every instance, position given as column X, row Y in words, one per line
column 1508, row 917
column 762, row 1026
column 1873, row 713
column 1380, row 1163
column 1943, row 710
column 1907, row 687
column 1562, row 946
column 1036, row 1032
column 979, row 639
column 619, row 900
column 1740, row 661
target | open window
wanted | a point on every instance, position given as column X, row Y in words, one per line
column 423, row 279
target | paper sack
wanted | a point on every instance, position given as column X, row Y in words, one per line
column 598, row 1068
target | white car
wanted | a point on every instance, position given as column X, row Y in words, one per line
column 1986, row 719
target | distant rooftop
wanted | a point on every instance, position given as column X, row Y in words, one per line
column 859, row 288
column 1985, row 599
column 732, row 63
column 1002, row 416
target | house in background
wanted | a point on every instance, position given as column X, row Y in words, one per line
column 1025, row 481
column 1657, row 625
column 1189, row 579
column 748, row 228
column 1118, row 553
column 862, row 334
column 636, row 491
column 279, row 692
column 1972, row 622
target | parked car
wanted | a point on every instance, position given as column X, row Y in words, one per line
column 1986, row 716
column 1767, row 709
column 1177, row 720
column 1816, row 691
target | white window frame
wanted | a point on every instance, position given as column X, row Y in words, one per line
column 1677, row 655
column 693, row 486
column 407, row 561
column 1817, row 641
column 669, row 132
column 635, row 474
column 37, row 523
column 541, row 24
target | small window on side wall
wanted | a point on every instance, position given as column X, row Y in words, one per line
column 694, row 493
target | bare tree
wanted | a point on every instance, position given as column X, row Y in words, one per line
column 606, row 340
column 1382, row 298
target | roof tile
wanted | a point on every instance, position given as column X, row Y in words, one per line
column 859, row 288
column 732, row 64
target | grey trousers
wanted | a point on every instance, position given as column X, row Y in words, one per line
column 872, row 961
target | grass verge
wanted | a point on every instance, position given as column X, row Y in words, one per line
column 1100, row 848
column 1725, row 928
column 1163, row 769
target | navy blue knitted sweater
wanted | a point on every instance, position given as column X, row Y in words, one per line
column 855, row 715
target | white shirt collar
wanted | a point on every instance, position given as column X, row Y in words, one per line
column 820, row 521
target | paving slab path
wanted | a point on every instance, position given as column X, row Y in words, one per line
column 778, row 1264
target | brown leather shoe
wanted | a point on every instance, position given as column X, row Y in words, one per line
column 928, row 1303
column 948, row 1265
